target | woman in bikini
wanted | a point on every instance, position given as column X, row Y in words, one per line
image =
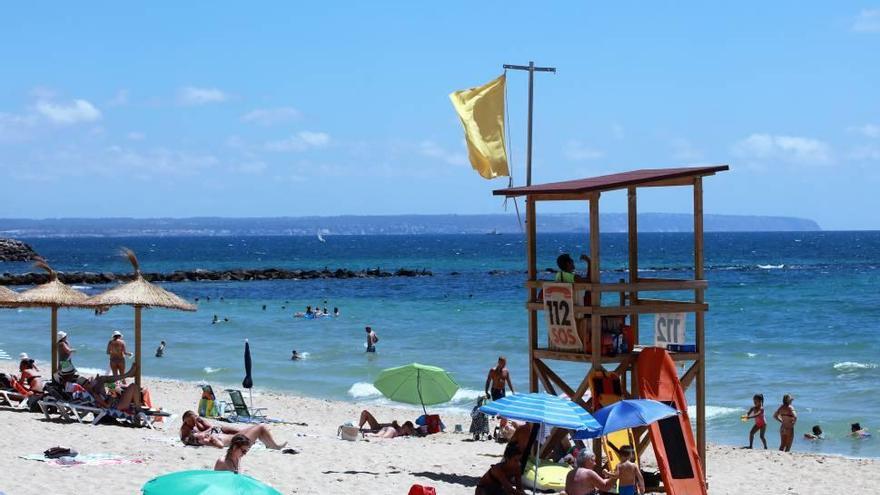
column 385, row 430
column 238, row 447
column 197, row 431
column 787, row 416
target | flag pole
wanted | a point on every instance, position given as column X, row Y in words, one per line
column 532, row 69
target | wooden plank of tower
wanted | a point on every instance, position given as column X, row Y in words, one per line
column 531, row 255
column 700, row 318
column 633, row 232
column 595, row 296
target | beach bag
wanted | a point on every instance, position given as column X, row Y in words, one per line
column 422, row 490
column 432, row 421
column 56, row 452
column 348, row 432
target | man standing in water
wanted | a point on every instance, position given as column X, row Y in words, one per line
column 372, row 339
column 499, row 377
column 117, row 352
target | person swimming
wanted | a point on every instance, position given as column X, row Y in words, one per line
column 857, row 431
column 817, row 434
column 295, row 356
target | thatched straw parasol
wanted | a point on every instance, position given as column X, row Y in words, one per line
column 53, row 294
column 140, row 294
column 8, row 298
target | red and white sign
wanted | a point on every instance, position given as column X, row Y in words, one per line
column 562, row 331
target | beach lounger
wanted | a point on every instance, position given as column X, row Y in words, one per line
column 13, row 399
column 242, row 413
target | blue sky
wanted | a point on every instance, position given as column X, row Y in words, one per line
column 191, row 109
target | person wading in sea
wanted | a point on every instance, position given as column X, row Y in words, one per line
column 372, row 339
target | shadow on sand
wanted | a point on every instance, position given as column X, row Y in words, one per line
column 453, row 479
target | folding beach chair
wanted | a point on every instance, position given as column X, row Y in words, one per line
column 242, row 413
column 13, row 399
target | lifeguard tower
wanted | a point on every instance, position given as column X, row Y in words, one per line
column 591, row 313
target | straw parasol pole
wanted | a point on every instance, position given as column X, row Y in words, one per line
column 53, row 294
column 141, row 294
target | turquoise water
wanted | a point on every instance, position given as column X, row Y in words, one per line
column 790, row 313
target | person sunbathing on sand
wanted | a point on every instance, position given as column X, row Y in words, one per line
column 385, row 430
column 504, row 478
column 198, row 431
column 238, row 447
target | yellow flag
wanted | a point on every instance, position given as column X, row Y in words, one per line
column 481, row 110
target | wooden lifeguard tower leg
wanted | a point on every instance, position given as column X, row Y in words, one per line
column 700, row 322
column 531, row 255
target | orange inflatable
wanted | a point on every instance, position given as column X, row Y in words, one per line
column 672, row 438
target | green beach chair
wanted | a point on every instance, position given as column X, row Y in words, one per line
column 242, row 413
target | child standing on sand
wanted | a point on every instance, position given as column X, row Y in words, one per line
column 787, row 416
column 757, row 413
column 628, row 475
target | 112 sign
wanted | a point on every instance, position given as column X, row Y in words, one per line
column 561, row 325
column 669, row 329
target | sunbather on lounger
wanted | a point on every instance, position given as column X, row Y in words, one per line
column 29, row 374
column 385, row 430
column 198, row 431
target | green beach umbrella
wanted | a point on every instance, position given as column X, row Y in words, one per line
column 417, row 384
column 200, row 482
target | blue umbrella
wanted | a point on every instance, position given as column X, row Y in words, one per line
column 628, row 414
column 544, row 409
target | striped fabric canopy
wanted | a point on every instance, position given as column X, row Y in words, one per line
column 543, row 408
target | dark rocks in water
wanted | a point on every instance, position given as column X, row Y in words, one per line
column 237, row 275
column 12, row 250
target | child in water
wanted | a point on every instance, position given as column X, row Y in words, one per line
column 628, row 474
column 756, row 412
column 857, row 431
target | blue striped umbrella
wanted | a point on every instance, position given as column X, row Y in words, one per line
column 542, row 408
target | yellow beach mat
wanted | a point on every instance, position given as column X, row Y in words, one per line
column 551, row 476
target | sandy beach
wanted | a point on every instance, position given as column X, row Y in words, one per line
column 450, row 462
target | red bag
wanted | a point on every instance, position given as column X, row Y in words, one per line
column 422, row 490
column 432, row 421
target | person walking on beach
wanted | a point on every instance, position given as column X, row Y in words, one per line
column 65, row 352
column 787, row 417
column 498, row 378
column 757, row 413
column 372, row 339
column 118, row 353
column 238, row 447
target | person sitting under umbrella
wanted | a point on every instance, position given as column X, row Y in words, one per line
column 385, row 430
column 198, row 431
column 504, row 478
column 583, row 480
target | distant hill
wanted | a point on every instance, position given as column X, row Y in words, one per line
column 384, row 225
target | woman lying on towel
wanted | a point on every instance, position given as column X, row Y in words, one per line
column 198, row 431
column 385, row 430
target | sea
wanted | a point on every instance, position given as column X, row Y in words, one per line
column 790, row 313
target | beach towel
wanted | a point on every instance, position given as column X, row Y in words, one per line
column 84, row 460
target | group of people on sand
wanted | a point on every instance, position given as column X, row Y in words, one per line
column 787, row 417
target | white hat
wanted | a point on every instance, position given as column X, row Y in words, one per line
column 61, row 336
column 23, row 356
column 117, row 333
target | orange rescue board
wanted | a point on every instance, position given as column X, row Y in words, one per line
column 672, row 438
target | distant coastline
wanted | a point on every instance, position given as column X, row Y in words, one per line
column 385, row 225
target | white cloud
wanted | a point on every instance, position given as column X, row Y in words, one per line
column 136, row 136
column 301, row 141
column 868, row 21
column 69, row 113
column 790, row 149
column 684, row 150
column 617, row 130
column 867, row 130
column 271, row 116
column 578, row 151
column 200, row 96
column 433, row 150
column 255, row 167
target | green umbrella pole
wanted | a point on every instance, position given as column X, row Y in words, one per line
column 419, row 388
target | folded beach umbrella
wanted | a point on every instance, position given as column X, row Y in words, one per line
column 417, row 384
column 626, row 414
column 248, row 381
column 199, row 482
